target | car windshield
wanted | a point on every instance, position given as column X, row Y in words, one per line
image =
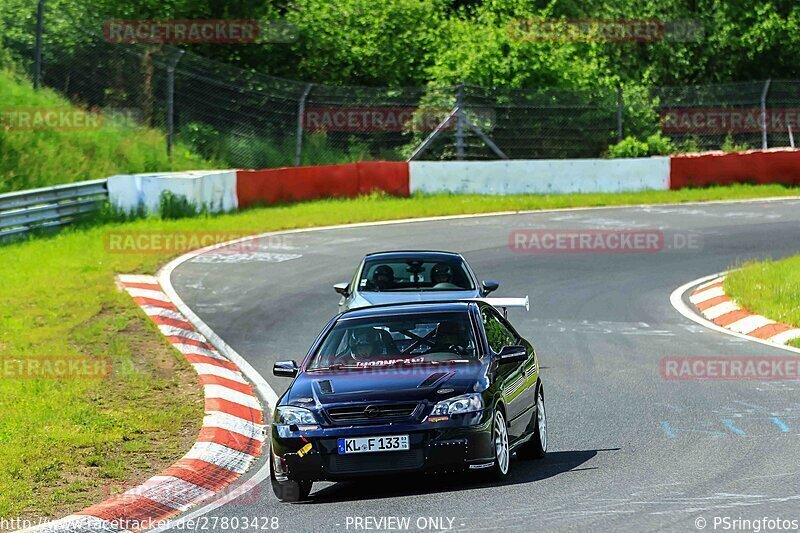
column 398, row 340
column 414, row 274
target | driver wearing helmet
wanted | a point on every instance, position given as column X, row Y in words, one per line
column 442, row 276
column 383, row 277
column 365, row 343
column 452, row 337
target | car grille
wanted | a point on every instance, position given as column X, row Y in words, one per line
column 371, row 412
column 381, row 462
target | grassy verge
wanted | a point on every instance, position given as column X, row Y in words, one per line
column 50, row 156
column 769, row 288
column 63, row 443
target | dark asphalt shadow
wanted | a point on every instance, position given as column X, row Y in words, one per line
column 522, row 471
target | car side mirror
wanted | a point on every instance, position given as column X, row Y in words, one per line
column 342, row 288
column 489, row 286
column 512, row 354
column 285, row 369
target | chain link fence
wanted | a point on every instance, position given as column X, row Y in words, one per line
column 245, row 119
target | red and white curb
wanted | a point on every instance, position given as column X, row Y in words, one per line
column 710, row 300
column 231, row 438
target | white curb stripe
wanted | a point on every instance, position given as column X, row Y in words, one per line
column 171, row 491
column 226, row 421
column 786, row 336
column 220, row 455
column 749, row 323
column 214, row 370
column 147, row 293
column 136, row 278
column 720, row 309
column 172, row 331
column 151, row 310
column 706, row 295
column 708, row 283
column 191, row 348
column 224, row 393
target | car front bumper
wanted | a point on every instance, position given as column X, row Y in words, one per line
column 460, row 443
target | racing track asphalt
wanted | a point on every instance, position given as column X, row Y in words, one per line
column 628, row 450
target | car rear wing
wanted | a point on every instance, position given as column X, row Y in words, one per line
column 504, row 304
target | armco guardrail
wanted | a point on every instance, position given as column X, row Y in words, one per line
column 49, row 207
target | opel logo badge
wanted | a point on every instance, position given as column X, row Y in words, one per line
column 372, row 411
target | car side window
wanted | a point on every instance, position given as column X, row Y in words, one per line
column 497, row 333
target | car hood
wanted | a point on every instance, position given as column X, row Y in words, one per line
column 406, row 383
column 364, row 299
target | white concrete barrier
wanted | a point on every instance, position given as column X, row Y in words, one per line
column 545, row 176
column 213, row 189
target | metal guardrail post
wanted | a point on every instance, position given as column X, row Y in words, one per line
column 171, row 100
column 460, row 123
column 301, row 111
column 37, row 67
column 764, row 115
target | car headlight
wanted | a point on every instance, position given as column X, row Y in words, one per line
column 468, row 403
column 294, row 416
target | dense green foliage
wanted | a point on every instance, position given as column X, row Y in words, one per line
column 414, row 42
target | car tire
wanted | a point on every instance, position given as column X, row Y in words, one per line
column 502, row 450
column 536, row 447
column 289, row 491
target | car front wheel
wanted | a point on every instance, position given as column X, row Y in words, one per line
column 502, row 453
column 289, row 491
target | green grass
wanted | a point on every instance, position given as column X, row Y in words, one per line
column 769, row 288
column 39, row 158
column 62, row 442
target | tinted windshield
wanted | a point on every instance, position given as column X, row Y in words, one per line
column 396, row 340
column 448, row 274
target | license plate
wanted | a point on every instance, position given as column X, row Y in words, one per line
column 391, row 443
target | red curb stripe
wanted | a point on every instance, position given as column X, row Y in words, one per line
column 232, row 440
column 211, row 379
column 712, row 286
column 702, row 306
column 235, row 409
column 199, row 358
column 733, row 316
column 203, row 474
column 142, row 301
column 167, row 321
column 147, row 286
column 770, row 330
column 176, row 339
column 131, row 508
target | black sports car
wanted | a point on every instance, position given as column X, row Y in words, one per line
column 408, row 387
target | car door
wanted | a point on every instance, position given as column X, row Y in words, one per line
column 512, row 377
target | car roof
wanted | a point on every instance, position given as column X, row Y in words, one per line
column 408, row 308
column 429, row 255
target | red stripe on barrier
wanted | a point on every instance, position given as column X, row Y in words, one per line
column 210, row 379
column 203, row 474
column 702, row 306
column 130, row 510
column 147, row 286
column 167, row 321
column 235, row 409
column 306, row 183
column 177, row 339
column 717, row 168
column 733, row 316
column 232, row 440
column 142, row 301
column 770, row 330
column 199, row 358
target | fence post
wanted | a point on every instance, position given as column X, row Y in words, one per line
column 764, row 115
column 301, row 110
column 619, row 112
column 37, row 68
column 460, row 123
column 171, row 100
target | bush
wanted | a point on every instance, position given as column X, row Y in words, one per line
column 628, row 147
